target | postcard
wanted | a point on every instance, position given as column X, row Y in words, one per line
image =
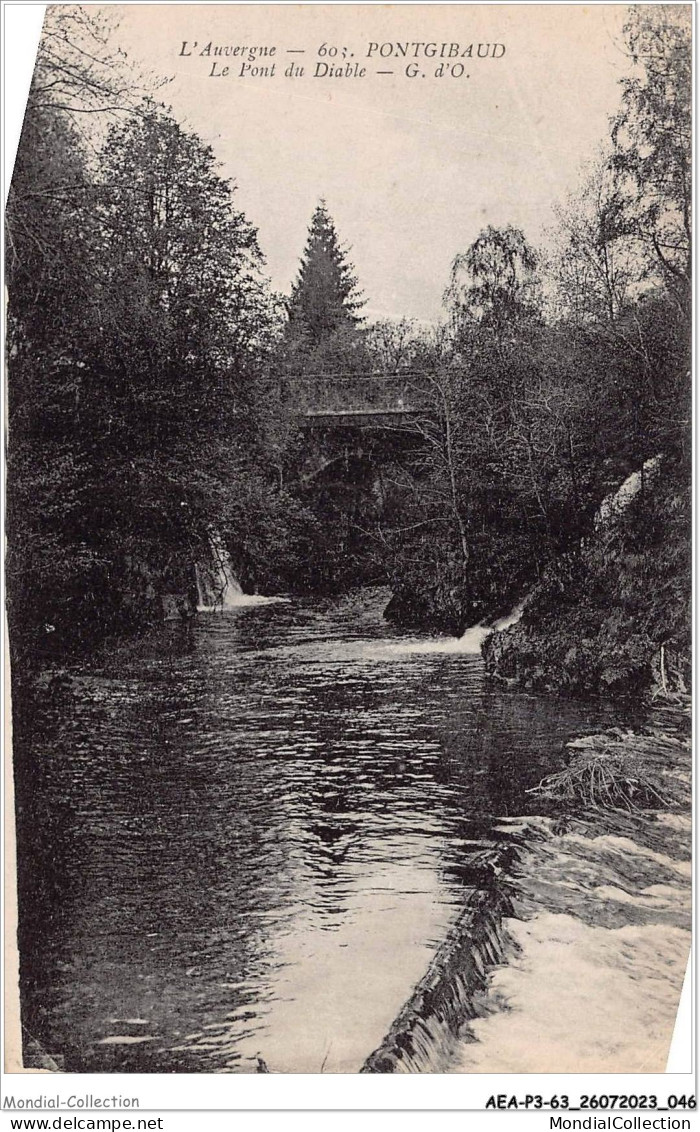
column 348, row 540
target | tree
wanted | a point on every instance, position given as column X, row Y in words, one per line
column 138, row 325
column 78, row 70
column 49, row 232
column 492, row 284
column 325, row 298
column 183, row 323
column 184, row 306
column 53, row 237
column 652, row 136
column 394, row 345
column 79, row 85
column 594, row 263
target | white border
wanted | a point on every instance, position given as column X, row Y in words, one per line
column 218, row 1094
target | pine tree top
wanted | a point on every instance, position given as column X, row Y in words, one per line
column 325, row 297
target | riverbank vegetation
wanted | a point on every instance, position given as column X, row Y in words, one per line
column 159, row 391
column 621, row 770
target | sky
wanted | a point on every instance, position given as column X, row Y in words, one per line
column 411, row 168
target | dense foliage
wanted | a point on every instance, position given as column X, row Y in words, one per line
column 138, row 325
column 158, row 391
column 549, row 393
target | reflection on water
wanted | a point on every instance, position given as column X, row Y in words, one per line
column 251, row 843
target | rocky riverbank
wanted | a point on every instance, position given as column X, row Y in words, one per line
column 614, row 616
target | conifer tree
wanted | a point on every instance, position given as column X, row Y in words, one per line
column 324, row 298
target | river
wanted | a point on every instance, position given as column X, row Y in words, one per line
column 249, row 840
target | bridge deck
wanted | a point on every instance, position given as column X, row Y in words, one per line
column 357, row 400
column 361, row 418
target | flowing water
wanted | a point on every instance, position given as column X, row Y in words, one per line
column 247, row 841
column 218, row 588
column 597, row 955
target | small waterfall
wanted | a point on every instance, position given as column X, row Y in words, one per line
column 427, row 1032
column 469, row 644
column 473, row 638
column 218, row 587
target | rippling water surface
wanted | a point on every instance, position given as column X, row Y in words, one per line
column 250, row 841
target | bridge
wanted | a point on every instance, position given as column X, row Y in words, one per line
column 359, row 400
column 359, row 422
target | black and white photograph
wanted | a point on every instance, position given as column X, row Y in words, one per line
column 348, row 557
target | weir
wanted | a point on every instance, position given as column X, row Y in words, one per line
column 424, row 1036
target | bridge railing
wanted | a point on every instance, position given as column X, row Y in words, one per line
column 356, row 393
